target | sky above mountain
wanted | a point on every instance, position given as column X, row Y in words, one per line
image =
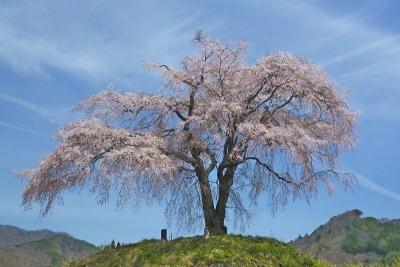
column 53, row 54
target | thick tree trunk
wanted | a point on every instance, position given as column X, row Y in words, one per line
column 211, row 220
column 213, row 225
column 214, row 218
column 225, row 184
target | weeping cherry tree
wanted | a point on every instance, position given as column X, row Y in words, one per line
column 220, row 137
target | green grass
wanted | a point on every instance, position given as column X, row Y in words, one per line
column 197, row 251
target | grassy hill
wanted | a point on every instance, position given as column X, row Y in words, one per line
column 40, row 248
column 197, row 251
column 351, row 238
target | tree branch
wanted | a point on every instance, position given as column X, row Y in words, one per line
column 271, row 170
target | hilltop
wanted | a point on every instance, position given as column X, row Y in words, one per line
column 349, row 237
column 40, row 248
column 216, row 251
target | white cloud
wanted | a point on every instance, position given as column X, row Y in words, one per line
column 75, row 42
column 54, row 116
column 353, row 39
column 22, row 129
column 32, row 54
column 346, row 44
column 387, row 45
column 362, row 55
column 370, row 185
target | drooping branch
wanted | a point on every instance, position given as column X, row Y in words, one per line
column 283, row 177
column 90, row 148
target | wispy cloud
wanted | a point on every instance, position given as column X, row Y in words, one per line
column 351, row 45
column 22, row 129
column 114, row 51
column 56, row 117
column 361, row 54
column 353, row 39
column 389, row 45
column 370, row 185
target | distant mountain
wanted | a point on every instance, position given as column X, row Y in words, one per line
column 349, row 237
column 11, row 235
column 42, row 248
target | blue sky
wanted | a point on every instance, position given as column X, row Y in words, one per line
column 55, row 53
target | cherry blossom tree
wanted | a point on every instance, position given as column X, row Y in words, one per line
column 221, row 136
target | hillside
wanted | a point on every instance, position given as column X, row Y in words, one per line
column 11, row 235
column 39, row 248
column 349, row 237
column 197, row 251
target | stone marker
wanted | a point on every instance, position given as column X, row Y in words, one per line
column 164, row 235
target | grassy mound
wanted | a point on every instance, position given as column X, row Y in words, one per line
column 197, row 251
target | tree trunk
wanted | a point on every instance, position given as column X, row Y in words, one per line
column 225, row 184
column 214, row 218
column 213, row 224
